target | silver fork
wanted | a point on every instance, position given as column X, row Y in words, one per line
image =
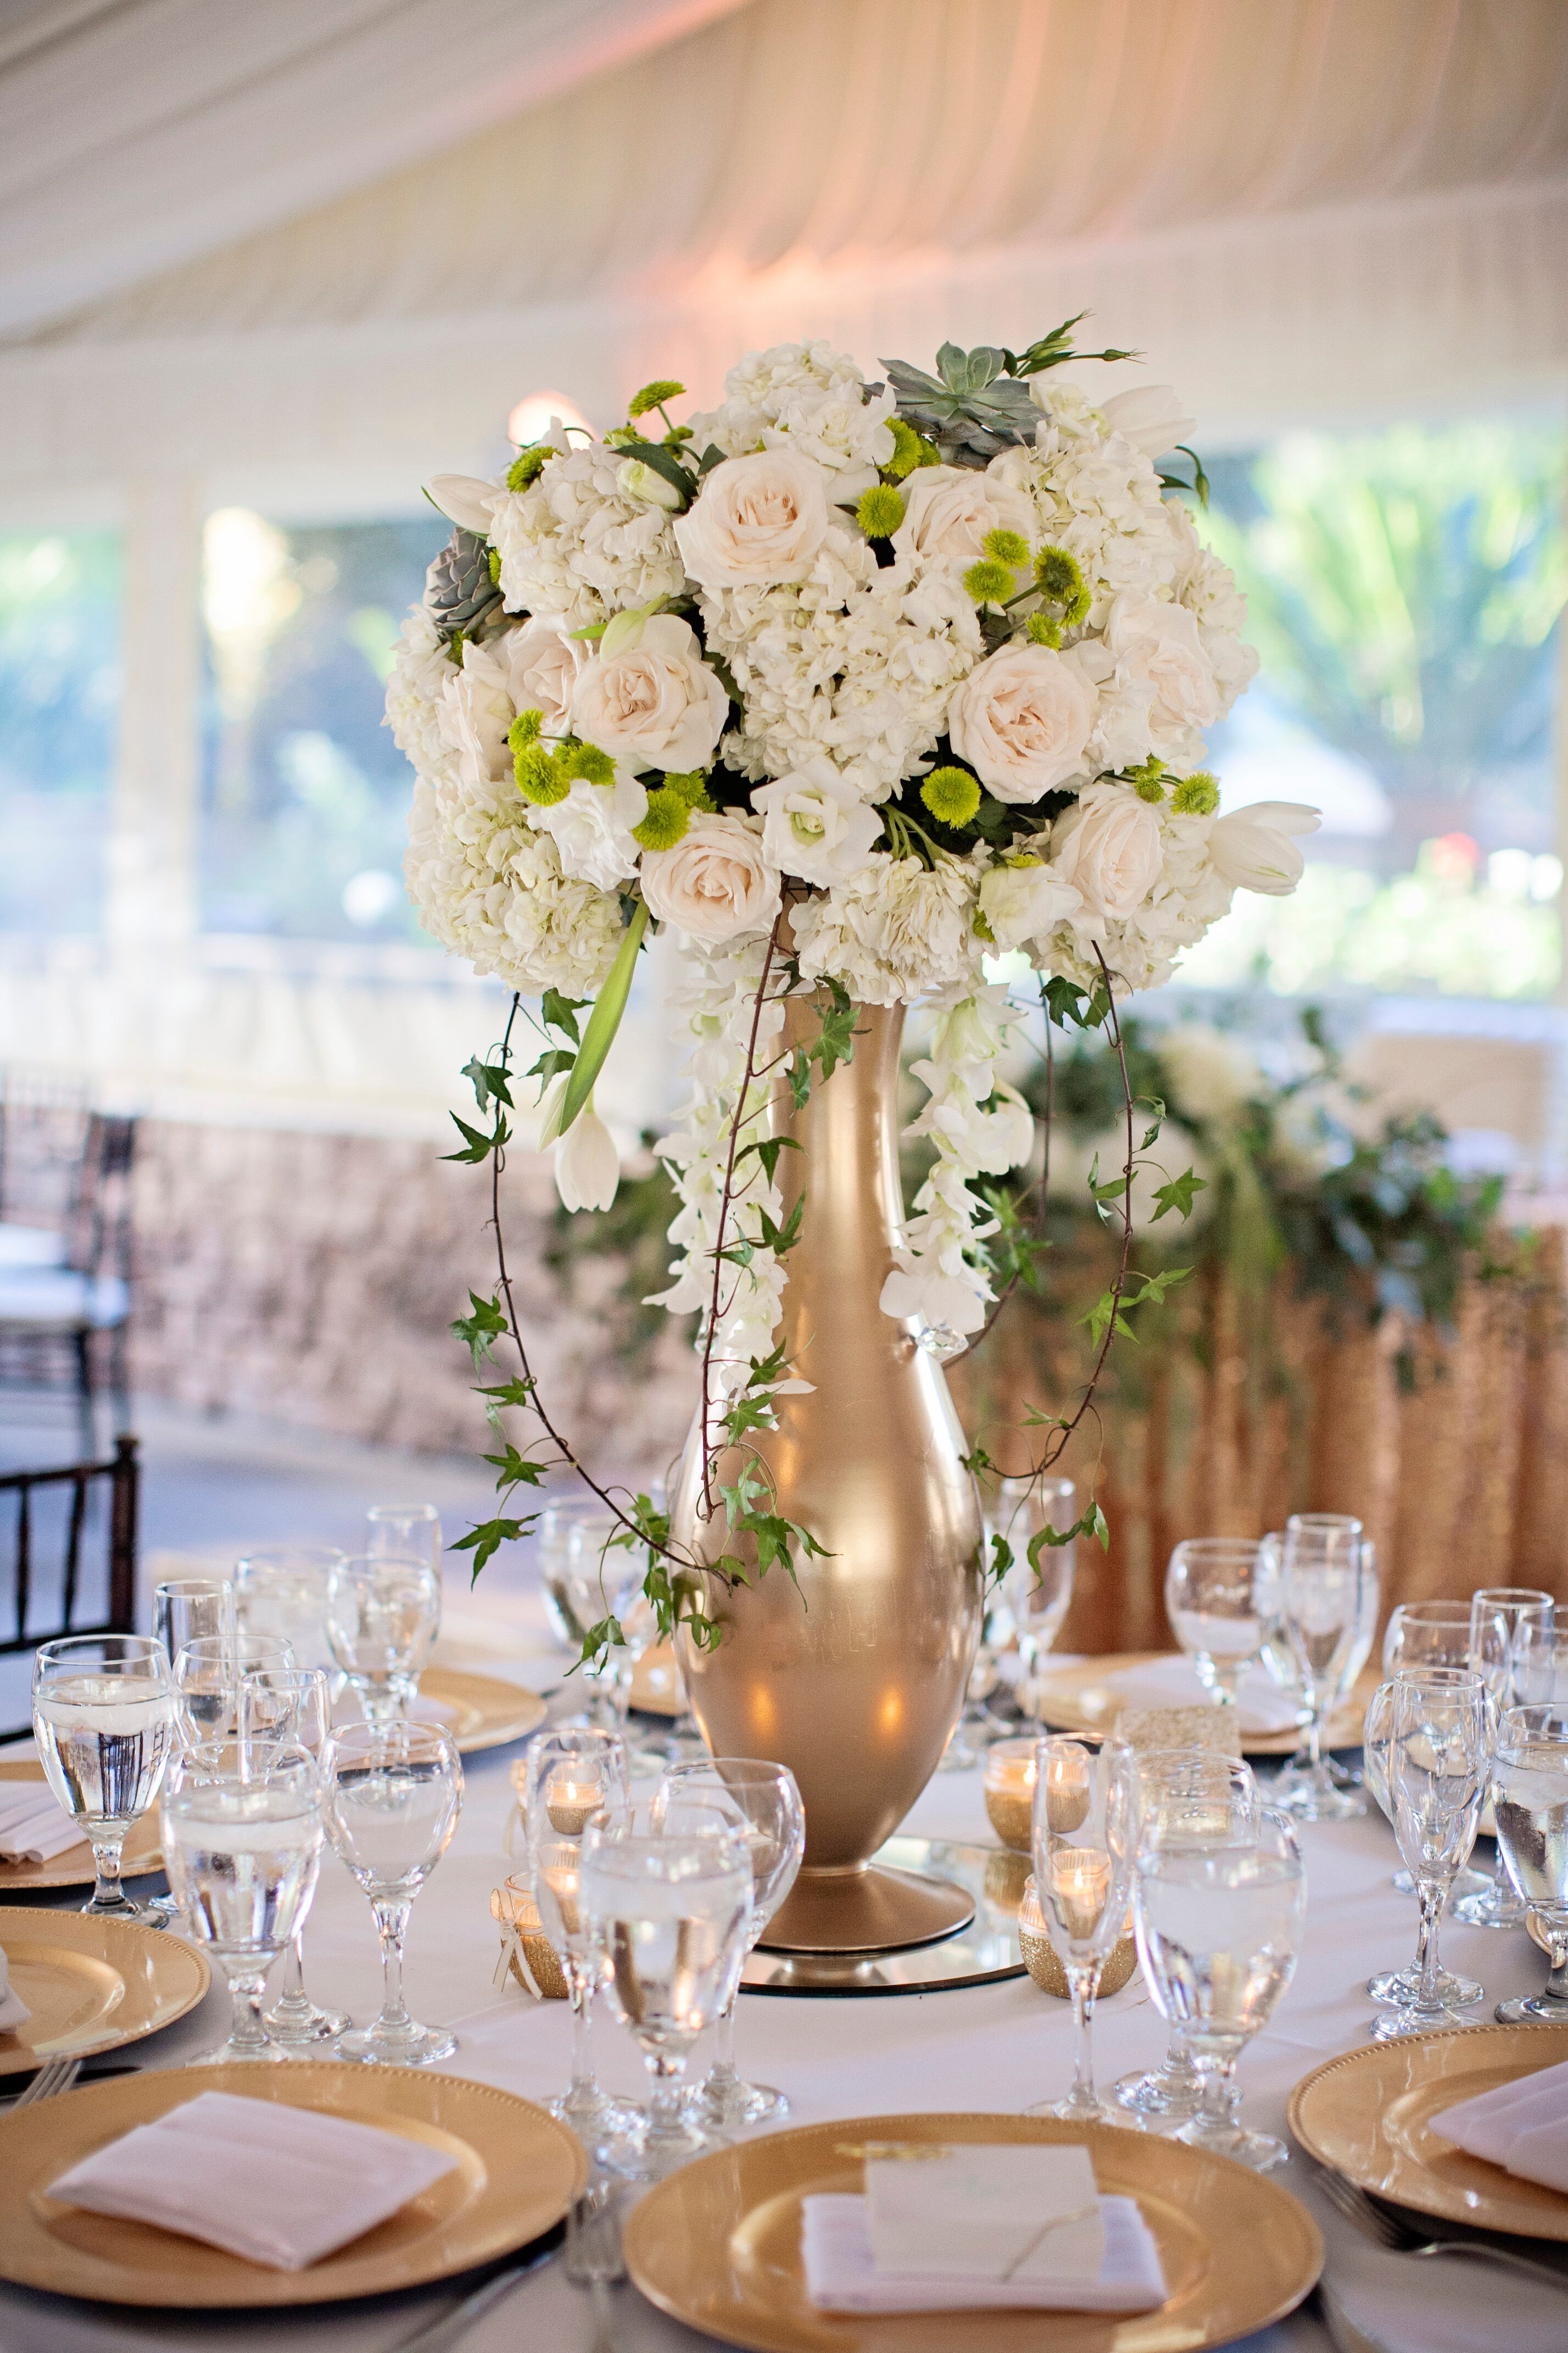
column 1385, row 2228
column 54, row 2076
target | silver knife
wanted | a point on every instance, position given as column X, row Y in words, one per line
column 452, row 2323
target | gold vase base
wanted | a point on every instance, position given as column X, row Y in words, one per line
column 876, row 1909
column 984, row 1948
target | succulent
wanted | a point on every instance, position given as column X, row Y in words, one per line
column 459, row 591
column 971, row 408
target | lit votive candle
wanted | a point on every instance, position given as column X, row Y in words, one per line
column 1068, row 1795
column 569, row 1803
column 1079, row 1883
column 1010, row 1791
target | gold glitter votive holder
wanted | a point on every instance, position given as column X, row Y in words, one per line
column 526, row 1952
column 1040, row 1955
column 1010, row 1791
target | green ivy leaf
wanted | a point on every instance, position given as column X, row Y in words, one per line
column 559, row 1012
column 1178, row 1194
column 481, row 1330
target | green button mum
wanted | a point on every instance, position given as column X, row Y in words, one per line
column 1196, row 795
column 952, row 795
column 668, row 816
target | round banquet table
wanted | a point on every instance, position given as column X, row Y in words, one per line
column 994, row 2046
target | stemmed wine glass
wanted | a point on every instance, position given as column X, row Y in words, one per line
column 764, row 1803
column 281, row 1589
column 1218, row 1926
column 242, row 1853
column 1422, row 1634
column 574, row 1773
column 1439, row 1741
column 292, row 1706
column 1399, row 1988
column 394, row 1795
column 1038, row 1585
column 1499, row 1618
column 1188, row 1800
column 1325, row 1564
column 404, row 1531
column 602, row 1578
column 1085, row 1826
column 103, row 1719
column 1220, row 1600
column 383, row 1613
column 1529, row 1798
column 669, row 1918
column 207, row 1674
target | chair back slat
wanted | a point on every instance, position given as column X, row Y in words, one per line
column 24, row 1557
column 73, row 1545
column 117, row 1482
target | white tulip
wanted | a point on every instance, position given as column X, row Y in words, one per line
column 1149, row 417
column 587, row 1165
column 464, row 500
column 1253, row 850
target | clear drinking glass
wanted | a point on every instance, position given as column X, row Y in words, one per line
column 404, row 1531
column 601, row 1578
column 1439, row 1740
column 1399, row 1988
column 574, row 1772
column 281, row 1589
column 394, row 1795
column 207, row 1674
column 1218, row 1927
column 1540, row 1665
column 383, row 1613
column 1502, row 1618
column 1038, row 1591
column 242, row 1854
column 1529, row 1799
column 553, row 1546
column 1220, row 1600
column 103, row 1718
column 669, row 1919
column 1186, row 1798
column 765, row 1802
column 555, row 1869
column 1428, row 1634
column 186, row 1607
column 293, row 1706
column 1085, row 1827
column 1325, row 1564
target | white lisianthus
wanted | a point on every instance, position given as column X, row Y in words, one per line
column 1024, row 900
column 654, row 703
column 528, row 669
column 635, row 480
column 1022, row 721
column 818, row 825
column 1159, row 642
column 587, row 1165
column 757, row 521
column 1149, row 417
column 592, row 829
column 1254, row 850
column 1108, row 848
column 716, row 884
column 947, row 511
column 1211, row 1075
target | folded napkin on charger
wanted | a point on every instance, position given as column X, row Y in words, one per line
column 976, row 2228
column 1261, row 1705
column 279, row 2184
column 1522, row 2126
column 14, row 2011
column 34, row 1825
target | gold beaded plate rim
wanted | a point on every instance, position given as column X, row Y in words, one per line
column 1083, row 1698
column 717, row 2246
column 92, row 1985
column 485, row 1712
column 74, row 1866
column 516, row 2173
column 1366, row 2112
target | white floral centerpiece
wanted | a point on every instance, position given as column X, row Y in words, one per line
column 923, row 664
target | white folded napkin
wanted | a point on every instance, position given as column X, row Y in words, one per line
column 279, row 2184
column 1522, row 2126
column 14, row 2011
column 980, row 2227
column 34, row 1825
column 1174, row 1682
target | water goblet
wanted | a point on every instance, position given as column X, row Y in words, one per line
column 574, row 1771
column 103, row 1717
column 553, row 1546
column 1428, row 1634
column 1499, row 1618
column 394, row 1792
column 294, row 1705
column 282, row 1589
column 669, row 1918
column 242, row 1851
column 602, row 1578
column 207, row 1673
column 1037, row 1581
column 1219, row 1598
column 1439, row 1743
column 1084, row 1836
column 763, row 1803
column 1529, row 1799
column 383, row 1613
column 404, row 1531
column 1398, row 1988
column 1186, row 1797
column 1218, row 1926
column 554, row 1872
column 1540, row 1665
column 1324, row 1572
column 186, row 1607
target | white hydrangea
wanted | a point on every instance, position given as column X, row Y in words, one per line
column 574, row 545
column 1207, row 589
column 1100, row 499
column 896, row 930
column 490, row 888
column 422, row 671
column 808, row 398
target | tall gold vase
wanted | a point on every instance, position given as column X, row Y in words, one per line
column 854, row 1675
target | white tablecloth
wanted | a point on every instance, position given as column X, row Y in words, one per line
column 998, row 2046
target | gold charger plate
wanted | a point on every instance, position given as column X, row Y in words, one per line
column 73, row 1868
column 481, row 1711
column 92, row 1985
column 718, row 2244
column 1365, row 2115
column 655, row 1682
column 518, row 2172
column 1085, row 1699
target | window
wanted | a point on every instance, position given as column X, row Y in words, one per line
column 1404, row 589
column 305, row 795
column 59, row 703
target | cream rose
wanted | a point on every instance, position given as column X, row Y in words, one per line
column 1108, row 848
column 1252, row 847
column 948, row 509
column 717, row 882
column 654, row 703
column 818, row 826
column 543, row 667
column 1159, row 642
column 757, row 521
column 1022, row 719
